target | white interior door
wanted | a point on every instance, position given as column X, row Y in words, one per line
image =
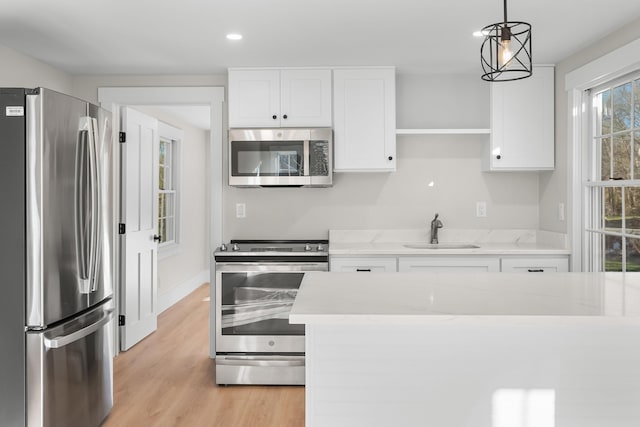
column 139, row 204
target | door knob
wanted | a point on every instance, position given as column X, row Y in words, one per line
column 157, row 237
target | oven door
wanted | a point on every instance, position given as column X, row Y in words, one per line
column 253, row 301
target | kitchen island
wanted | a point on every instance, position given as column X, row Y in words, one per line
column 471, row 350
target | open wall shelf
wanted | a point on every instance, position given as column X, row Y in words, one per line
column 443, row 131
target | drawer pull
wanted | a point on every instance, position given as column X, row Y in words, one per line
column 364, row 269
column 535, row 270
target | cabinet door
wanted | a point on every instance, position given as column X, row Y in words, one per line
column 364, row 119
column 449, row 264
column 535, row 265
column 254, row 98
column 364, row 265
column 522, row 123
column 305, row 98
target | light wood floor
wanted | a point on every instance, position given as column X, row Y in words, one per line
column 168, row 380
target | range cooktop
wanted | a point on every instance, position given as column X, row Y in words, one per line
column 273, row 248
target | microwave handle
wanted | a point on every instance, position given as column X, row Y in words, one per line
column 307, row 157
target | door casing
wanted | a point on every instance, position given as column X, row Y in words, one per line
column 111, row 98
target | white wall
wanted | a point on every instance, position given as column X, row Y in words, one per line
column 19, row 70
column 378, row 200
column 86, row 87
column 402, row 199
column 192, row 259
column 383, row 200
column 554, row 185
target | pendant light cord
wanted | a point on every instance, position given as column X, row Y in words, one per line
column 505, row 12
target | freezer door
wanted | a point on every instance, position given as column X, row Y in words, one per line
column 66, row 256
column 70, row 371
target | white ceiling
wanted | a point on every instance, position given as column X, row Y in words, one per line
column 188, row 36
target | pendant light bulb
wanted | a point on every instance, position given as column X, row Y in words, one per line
column 505, row 53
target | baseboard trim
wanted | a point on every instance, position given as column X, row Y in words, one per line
column 167, row 299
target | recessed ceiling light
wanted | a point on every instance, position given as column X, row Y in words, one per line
column 480, row 33
column 234, row 36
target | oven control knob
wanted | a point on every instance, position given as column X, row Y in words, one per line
column 235, row 247
column 307, row 247
column 320, row 248
column 223, row 247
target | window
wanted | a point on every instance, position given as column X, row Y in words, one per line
column 168, row 187
column 612, row 224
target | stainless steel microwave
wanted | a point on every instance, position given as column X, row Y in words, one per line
column 281, row 157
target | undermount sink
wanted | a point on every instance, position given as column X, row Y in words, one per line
column 440, row 246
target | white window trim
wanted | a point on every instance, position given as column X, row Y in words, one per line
column 176, row 136
column 615, row 64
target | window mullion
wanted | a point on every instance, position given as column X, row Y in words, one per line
column 623, row 231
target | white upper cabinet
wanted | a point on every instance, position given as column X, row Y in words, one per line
column 522, row 124
column 364, row 115
column 279, row 98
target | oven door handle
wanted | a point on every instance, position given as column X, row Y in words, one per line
column 272, row 267
column 257, row 362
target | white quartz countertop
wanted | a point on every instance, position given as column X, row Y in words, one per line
column 488, row 242
column 420, row 297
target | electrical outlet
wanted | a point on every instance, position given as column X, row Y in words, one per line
column 561, row 212
column 481, row 209
column 241, row 210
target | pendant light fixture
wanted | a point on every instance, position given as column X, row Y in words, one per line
column 506, row 50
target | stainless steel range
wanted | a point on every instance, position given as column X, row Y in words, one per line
column 255, row 286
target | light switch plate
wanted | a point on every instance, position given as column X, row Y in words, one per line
column 481, row 209
column 241, row 210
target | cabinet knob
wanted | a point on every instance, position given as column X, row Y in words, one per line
column 274, row 117
column 284, row 117
column 390, row 157
column 498, row 157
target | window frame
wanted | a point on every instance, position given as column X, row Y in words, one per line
column 595, row 230
column 174, row 136
column 616, row 63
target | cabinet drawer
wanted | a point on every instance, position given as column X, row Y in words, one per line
column 365, row 265
column 535, row 265
column 449, row 264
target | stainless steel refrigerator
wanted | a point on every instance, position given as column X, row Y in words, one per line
column 56, row 260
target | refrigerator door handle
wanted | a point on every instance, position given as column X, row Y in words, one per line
column 82, row 178
column 96, row 218
column 63, row 340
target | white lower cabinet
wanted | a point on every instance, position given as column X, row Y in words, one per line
column 535, row 264
column 452, row 263
column 365, row 265
column 449, row 264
